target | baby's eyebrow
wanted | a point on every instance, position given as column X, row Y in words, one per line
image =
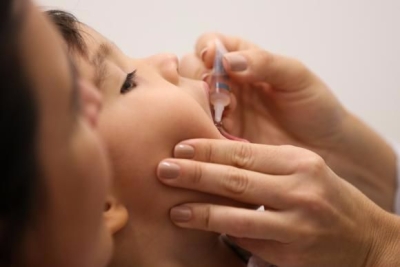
column 98, row 61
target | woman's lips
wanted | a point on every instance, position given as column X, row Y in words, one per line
column 229, row 136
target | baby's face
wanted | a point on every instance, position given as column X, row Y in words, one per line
column 148, row 109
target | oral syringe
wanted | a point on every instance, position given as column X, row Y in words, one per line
column 219, row 86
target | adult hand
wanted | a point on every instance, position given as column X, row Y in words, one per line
column 311, row 218
column 278, row 100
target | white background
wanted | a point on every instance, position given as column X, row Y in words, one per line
column 354, row 45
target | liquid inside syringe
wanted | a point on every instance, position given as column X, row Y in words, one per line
column 219, row 85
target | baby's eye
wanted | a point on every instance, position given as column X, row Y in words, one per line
column 129, row 82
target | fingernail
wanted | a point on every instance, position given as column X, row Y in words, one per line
column 184, row 151
column 168, row 170
column 181, row 214
column 203, row 53
column 236, row 62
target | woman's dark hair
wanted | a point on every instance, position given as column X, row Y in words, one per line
column 18, row 129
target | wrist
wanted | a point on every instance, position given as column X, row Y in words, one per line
column 385, row 247
column 363, row 158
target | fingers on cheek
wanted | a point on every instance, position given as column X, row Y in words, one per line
column 195, row 216
column 182, row 215
column 206, row 217
column 202, row 151
column 181, row 173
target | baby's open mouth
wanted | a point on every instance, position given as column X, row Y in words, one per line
column 219, row 125
column 228, row 135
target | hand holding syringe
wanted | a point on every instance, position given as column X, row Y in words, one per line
column 219, row 85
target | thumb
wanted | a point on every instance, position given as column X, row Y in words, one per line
column 256, row 65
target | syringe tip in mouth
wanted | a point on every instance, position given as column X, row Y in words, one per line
column 218, row 124
column 218, row 111
column 227, row 135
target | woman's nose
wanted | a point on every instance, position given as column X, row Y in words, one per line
column 167, row 65
column 91, row 102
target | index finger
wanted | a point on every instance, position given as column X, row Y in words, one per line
column 275, row 160
column 237, row 222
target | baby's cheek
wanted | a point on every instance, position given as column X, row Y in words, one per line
column 192, row 124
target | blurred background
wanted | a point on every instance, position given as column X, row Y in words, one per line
column 354, row 45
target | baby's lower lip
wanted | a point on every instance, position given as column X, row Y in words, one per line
column 231, row 137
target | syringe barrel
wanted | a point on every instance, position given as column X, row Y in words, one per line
column 219, row 90
column 219, row 84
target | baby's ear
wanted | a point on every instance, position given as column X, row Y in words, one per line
column 115, row 214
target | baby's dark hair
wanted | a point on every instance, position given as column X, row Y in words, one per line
column 68, row 25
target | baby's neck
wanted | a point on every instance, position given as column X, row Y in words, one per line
column 204, row 251
column 177, row 247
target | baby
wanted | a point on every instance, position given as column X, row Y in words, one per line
column 148, row 109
